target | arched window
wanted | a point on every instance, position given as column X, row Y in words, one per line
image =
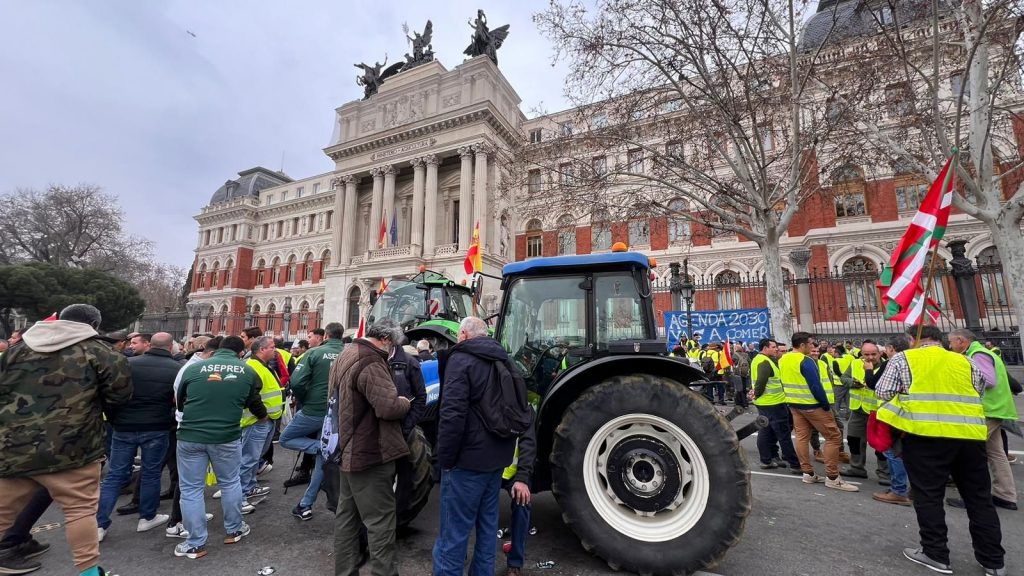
column 993, row 285
column 256, row 311
column 290, row 274
column 307, row 268
column 600, row 231
column 261, row 272
column 727, row 290
column 275, row 272
column 271, row 312
column 227, row 272
column 534, row 239
column 678, row 225
column 566, row 235
column 859, row 277
column 202, row 277
column 848, row 191
column 214, row 276
column 304, row 316
column 352, row 319
column 326, row 259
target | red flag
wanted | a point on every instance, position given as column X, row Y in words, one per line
column 50, row 318
column 383, row 286
column 474, row 259
column 362, row 328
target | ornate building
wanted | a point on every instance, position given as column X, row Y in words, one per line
column 426, row 156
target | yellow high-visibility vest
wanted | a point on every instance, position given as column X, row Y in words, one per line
column 862, row 399
column 793, row 382
column 941, row 401
column 826, row 380
column 271, row 394
column 773, row 393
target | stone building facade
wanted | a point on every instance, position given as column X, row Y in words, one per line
column 426, row 157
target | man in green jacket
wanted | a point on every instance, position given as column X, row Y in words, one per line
column 211, row 397
column 54, row 390
column 309, row 388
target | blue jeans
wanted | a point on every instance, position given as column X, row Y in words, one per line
column 897, row 473
column 254, row 443
column 119, row 472
column 296, row 437
column 193, row 459
column 519, row 529
column 468, row 499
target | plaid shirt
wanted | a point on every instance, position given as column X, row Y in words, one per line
column 896, row 378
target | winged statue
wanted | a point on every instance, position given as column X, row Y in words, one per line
column 484, row 41
column 422, row 51
column 374, row 76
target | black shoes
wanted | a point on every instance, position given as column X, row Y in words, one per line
column 297, row 480
column 996, row 501
column 128, row 509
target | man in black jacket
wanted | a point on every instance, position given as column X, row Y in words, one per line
column 471, row 458
column 405, row 371
column 143, row 423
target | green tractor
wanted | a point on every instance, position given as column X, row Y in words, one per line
column 427, row 306
column 648, row 474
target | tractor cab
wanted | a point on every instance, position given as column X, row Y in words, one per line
column 562, row 311
column 429, row 305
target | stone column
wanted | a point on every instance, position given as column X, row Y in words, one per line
column 800, row 258
column 418, row 169
column 339, row 207
column 429, row 206
column 349, row 219
column 389, row 200
column 465, row 198
column 375, row 208
column 480, row 204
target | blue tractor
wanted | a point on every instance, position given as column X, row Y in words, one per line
column 647, row 473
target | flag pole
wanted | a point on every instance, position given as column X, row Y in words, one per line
column 927, row 290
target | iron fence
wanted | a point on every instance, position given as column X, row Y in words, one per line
column 294, row 325
column 847, row 304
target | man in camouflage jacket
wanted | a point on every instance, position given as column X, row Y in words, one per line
column 54, row 389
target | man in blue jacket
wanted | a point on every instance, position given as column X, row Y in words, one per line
column 471, row 458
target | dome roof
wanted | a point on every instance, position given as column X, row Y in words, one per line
column 839, row 20
column 249, row 183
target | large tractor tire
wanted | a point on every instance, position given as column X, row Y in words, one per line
column 422, row 480
column 649, row 476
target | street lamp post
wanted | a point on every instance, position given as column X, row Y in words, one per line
column 675, row 285
column 686, row 293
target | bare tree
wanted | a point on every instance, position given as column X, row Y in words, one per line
column 82, row 227
column 948, row 76
column 707, row 102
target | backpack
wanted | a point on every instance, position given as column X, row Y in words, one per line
column 503, row 407
column 329, row 431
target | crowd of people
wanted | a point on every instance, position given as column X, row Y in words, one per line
column 932, row 415
column 209, row 410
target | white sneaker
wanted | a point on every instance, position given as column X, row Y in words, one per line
column 813, row 479
column 247, row 508
column 176, row 531
column 257, row 492
column 216, row 495
column 838, row 484
column 209, row 516
column 147, row 525
column 266, row 467
column 101, row 533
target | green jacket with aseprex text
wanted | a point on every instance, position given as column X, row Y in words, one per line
column 311, row 376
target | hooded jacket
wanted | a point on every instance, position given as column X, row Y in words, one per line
column 405, row 370
column 462, row 440
column 54, row 389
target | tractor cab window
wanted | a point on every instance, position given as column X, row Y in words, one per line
column 461, row 303
column 402, row 302
column 619, row 309
column 543, row 319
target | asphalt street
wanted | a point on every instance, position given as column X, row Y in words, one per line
column 793, row 529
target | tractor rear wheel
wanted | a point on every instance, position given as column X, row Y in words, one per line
column 649, row 476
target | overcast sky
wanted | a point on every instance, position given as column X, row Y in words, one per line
column 121, row 95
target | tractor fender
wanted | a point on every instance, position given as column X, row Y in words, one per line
column 577, row 379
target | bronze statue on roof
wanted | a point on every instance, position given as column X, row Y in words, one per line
column 484, row 41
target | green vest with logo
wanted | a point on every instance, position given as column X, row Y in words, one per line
column 998, row 400
column 773, row 392
column 941, row 401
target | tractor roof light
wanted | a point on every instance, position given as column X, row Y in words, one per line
column 652, row 262
column 619, row 247
column 422, row 268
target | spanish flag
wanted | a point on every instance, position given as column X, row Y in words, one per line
column 382, row 237
column 474, row 259
column 725, row 357
column 383, row 286
column 362, row 327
